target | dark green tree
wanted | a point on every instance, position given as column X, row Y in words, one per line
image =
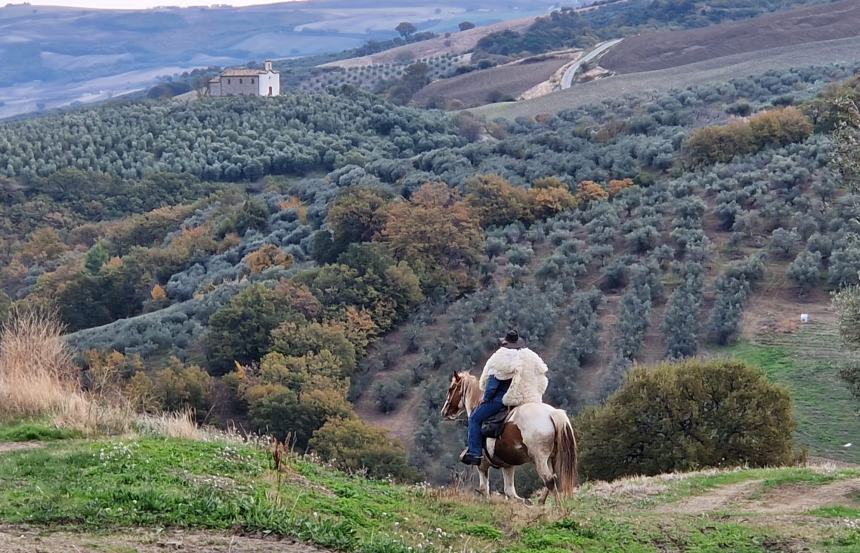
column 96, row 257
column 241, row 330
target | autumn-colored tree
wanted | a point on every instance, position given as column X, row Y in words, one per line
column 616, row 186
column 140, row 393
column 107, row 370
column 356, row 215
column 779, row 127
column 437, row 233
column 359, row 327
column 267, row 257
column 496, row 201
column 546, row 202
column 589, row 191
column 178, row 386
column 44, row 244
column 158, row 293
column 299, row 373
column 300, row 298
column 719, row 143
column 295, row 203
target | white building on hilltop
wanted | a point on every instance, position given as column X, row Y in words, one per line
column 247, row 82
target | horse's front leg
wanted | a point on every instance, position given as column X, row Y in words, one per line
column 510, row 484
column 484, row 478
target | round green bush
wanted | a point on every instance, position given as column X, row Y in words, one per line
column 688, row 415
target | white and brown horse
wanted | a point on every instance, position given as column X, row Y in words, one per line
column 534, row 433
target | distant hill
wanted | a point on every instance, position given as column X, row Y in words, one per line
column 655, row 62
column 53, row 56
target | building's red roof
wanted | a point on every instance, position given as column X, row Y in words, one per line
column 244, row 72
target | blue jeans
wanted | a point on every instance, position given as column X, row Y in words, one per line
column 479, row 415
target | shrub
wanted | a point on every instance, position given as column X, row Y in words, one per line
column 688, row 415
column 354, row 445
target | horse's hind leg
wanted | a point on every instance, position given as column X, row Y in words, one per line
column 548, row 477
column 510, row 484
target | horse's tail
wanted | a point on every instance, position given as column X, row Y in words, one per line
column 564, row 463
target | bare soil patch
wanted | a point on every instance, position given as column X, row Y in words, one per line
column 457, row 43
column 714, row 499
column 490, row 85
column 15, row 539
column 19, row 446
column 664, row 49
column 801, row 498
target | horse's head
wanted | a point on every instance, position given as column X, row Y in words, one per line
column 456, row 401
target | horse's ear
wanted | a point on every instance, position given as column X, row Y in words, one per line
column 455, row 375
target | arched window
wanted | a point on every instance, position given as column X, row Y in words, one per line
column 228, row 81
column 240, row 81
column 252, row 81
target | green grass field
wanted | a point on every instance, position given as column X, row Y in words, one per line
column 807, row 362
column 110, row 485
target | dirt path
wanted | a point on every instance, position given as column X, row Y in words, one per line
column 19, row 446
column 713, row 499
column 15, row 539
column 791, row 499
column 800, row 498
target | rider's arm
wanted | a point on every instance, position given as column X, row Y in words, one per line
column 492, row 389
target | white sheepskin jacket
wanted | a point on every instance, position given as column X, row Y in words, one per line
column 526, row 370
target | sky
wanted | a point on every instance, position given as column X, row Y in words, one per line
column 138, row 4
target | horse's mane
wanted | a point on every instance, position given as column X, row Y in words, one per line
column 472, row 386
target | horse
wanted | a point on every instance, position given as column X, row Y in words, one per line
column 533, row 433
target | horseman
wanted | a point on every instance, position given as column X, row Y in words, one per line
column 512, row 376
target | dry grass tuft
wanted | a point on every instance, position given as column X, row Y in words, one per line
column 171, row 425
column 37, row 376
column 39, row 379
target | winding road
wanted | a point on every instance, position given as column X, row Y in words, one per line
column 598, row 50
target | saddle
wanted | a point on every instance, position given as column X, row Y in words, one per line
column 493, row 426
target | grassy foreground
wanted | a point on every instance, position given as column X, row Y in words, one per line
column 111, row 484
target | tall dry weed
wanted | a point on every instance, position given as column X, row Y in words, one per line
column 39, row 379
column 37, row 375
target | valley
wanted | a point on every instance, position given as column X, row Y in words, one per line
column 230, row 323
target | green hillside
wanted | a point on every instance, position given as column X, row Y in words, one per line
column 283, row 264
column 103, row 490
